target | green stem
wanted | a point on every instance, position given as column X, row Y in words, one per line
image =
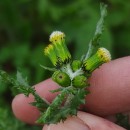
column 44, row 102
column 69, row 99
column 55, row 105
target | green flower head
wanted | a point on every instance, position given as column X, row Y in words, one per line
column 56, row 36
column 50, row 52
column 57, row 51
column 101, row 56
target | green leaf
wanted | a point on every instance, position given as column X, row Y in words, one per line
column 21, row 84
column 98, row 32
column 76, row 98
column 21, row 80
column 123, row 120
column 9, row 122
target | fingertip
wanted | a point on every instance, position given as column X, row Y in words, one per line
column 23, row 110
column 21, row 106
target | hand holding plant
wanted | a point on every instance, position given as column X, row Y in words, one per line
column 109, row 96
column 71, row 76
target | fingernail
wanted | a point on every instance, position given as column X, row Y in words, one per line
column 75, row 123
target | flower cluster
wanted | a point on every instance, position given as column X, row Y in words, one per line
column 75, row 74
column 57, row 50
column 71, row 76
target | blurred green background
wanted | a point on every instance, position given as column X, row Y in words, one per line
column 25, row 26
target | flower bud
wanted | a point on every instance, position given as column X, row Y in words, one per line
column 76, row 64
column 80, row 81
column 57, row 38
column 61, row 78
column 50, row 52
column 58, row 51
column 101, row 56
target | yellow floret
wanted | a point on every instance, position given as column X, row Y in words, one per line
column 104, row 54
column 48, row 49
column 56, row 35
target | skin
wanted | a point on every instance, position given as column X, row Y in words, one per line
column 110, row 94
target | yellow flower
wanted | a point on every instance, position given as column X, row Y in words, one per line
column 50, row 52
column 101, row 56
column 48, row 49
column 104, row 54
column 56, row 36
column 57, row 51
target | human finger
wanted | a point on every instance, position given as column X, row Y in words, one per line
column 84, row 121
column 110, row 92
column 110, row 88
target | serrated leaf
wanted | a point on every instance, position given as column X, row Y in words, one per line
column 21, row 84
column 21, row 80
column 94, row 42
column 69, row 108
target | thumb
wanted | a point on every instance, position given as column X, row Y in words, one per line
column 84, row 121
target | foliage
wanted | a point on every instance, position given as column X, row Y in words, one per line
column 9, row 122
column 123, row 120
column 72, row 94
column 26, row 24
